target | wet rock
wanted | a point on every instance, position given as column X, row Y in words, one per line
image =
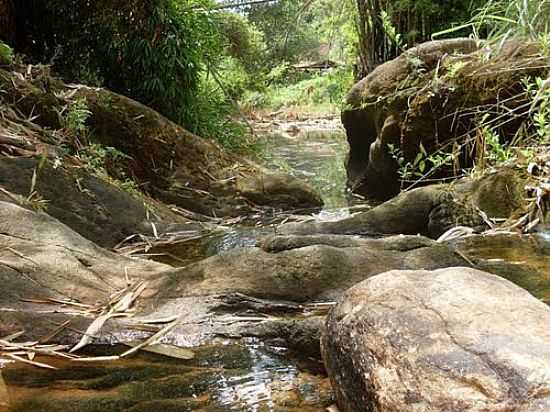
column 451, row 339
column 301, row 335
column 424, row 97
column 431, row 210
column 315, row 271
column 214, row 381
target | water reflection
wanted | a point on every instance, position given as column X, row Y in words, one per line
column 317, row 157
column 223, row 377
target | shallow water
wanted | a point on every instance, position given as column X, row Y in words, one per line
column 524, row 260
column 222, row 377
column 317, row 157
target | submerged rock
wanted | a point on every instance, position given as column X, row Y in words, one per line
column 452, row 339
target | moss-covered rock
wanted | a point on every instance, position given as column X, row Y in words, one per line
column 434, row 95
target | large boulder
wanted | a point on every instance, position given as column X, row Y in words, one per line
column 454, row 339
column 42, row 259
column 162, row 158
column 428, row 96
column 303, row 269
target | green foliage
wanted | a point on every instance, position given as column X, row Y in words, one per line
column 97, row 158
column 385, row 27
column 505, row 19
column 323, row 92
column 422, row 165
column 391, row 32
column 73, row 117
column 514, row 18
column 6, row 53
column 153, row 51
column 215, row 113
column 243, row 41
column 287, row 28
column 539, row 92
column 495, row 151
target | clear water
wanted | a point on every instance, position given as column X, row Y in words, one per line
column 222, row 377
column 316, row 157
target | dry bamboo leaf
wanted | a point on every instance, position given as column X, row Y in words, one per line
column 170, row 351
column 152, row 340
column 31, row 355
column 97, row 359
column 4, row 396
column 159, row 320
column 68, row 302
column 92, row 330
column 38, row 364
column 13, row 336
column 155, row 232
column 127, row 300
column 55, row 332
column 33, row 182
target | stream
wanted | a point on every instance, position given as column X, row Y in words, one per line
column 240, row 374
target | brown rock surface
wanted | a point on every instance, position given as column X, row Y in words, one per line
column 454, row 339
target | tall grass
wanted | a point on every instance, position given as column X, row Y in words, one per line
column 517, row 18
column 500, row 20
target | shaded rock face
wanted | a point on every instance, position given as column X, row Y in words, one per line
column 454, row 339
column 430, row 210
column 96, row 209
column 424, row 97
column 165, row 160
column 278, row 191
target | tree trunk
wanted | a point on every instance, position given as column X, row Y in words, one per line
column 7, row 21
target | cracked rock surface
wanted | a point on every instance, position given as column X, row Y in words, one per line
column 454, row 339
